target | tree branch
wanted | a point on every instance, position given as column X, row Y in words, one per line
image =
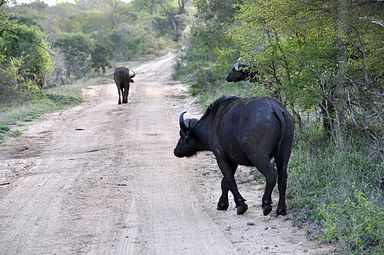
column 2, row 29
column 374, row 21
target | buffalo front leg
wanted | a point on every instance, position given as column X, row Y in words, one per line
column 228, row 170
column 223, row 203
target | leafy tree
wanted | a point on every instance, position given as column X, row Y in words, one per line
column 77, row 49
column 296, row 48
column 24, row 58
column 101, row 54
column 210, row 51
column 21, row 41
column 165, row 16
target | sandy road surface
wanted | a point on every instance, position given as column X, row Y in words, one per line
column 101, row 178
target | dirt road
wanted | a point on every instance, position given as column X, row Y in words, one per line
column 101, row 178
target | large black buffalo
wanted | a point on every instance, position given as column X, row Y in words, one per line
column 123, row 79
column 243, row 131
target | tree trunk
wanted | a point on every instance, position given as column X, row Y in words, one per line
column 181, row 4
column 328, row 112
column 342, row 13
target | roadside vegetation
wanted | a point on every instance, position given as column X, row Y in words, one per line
column 15, row 113
column 324, row 60
column 48, row 54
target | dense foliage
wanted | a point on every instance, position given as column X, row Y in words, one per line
column 76, row 49
column 324, row 60
column 24, row 59
column 78, row 40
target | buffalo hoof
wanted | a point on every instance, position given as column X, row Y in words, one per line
column 119, row 102
column 241, row 209
column 281, row 211
column 125, row 102
column 221, row 206
column 267, row 209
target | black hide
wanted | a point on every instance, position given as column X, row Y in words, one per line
column 243, row 131
column 123, row 79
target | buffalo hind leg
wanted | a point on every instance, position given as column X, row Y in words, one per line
column 282, row 185
column 228, row 170
column 265, row 167
column 223, row 203
column 118, row 90
column 125, row 94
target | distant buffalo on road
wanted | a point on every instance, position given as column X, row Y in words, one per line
column 243, row 131
column 123, row 79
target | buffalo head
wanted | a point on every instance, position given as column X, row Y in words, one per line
column 187, row 145
column 131, row 75
column 239, row 72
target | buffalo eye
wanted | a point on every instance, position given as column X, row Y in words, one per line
column 188, row 137
column 183, row 134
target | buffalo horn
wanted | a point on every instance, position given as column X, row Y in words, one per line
column 182, row 122
column 237, row 64
column 133, row 74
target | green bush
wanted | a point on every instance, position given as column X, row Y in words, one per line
column 338, row 191
column 24, row 61
column 13, row 85
column 29, row 45
column 76, row 49
column 357, row 223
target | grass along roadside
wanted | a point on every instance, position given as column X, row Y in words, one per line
column 338, row 192
column 15, row 114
